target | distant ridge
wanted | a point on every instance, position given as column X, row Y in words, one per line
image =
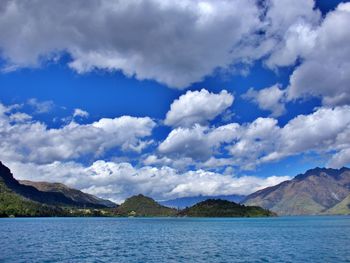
column 71, row 193
column 317, row 191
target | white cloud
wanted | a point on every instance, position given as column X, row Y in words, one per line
column 80, row 113
column 284, row 14
column 245, row 146
column 299, row 40
column 270, row 99
column 20, row 117
column 340, row 159
column 198, row 142
column 172, row 42
column 177, row 163
column 33, row 141
column 197, row 107
column 327, row 130
column 118, row 181
column 323, row 47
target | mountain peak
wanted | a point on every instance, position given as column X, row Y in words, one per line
column 316, row 191
column 318, row 171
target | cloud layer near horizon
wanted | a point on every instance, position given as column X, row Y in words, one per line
column 37, row 152
column 117, row 181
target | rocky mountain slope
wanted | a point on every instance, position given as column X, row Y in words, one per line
column 318, row 191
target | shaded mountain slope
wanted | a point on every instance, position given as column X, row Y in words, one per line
column 12, row 204
column 33, row 194
column 311, row 193
column 73, row 194
column 141, row 205
column 223, row 208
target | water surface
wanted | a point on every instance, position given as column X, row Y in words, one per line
column 282, row 239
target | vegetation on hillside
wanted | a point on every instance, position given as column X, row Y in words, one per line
column 224, row 208
column 141, row 205
column 14, row 205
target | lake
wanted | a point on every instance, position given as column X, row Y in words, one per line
column 280, row 239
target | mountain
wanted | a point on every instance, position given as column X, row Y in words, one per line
column 53, row 198
column 73, row 194
column 223, row 208
column 317, row 191
column 12, row 204
column 184, row 202
column 140, row 205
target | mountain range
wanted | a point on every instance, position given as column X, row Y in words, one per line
column 318, row 191
column 27, row 198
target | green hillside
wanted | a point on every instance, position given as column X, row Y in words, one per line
column 141, row 205
column 12, row 204
column 224, row 208
column 342, row 208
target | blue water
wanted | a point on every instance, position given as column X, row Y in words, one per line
column 283, row 239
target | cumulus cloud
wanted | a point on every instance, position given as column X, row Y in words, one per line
column 324, row 131
column 324, row 53
column 20, row 117
column 26, row 140
column 298, row 11
column 299, row 40
column 198, row 142
column 340, row 159
column 173, row 42
column 270, row 99
column 118, row 181
column 176, row 43
column 325, row 72
column 292, row 32
column 197, row 107
column 327, row 130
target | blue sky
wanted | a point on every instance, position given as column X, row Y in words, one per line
column 174, row 100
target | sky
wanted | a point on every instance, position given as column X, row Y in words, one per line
column 173, row 98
